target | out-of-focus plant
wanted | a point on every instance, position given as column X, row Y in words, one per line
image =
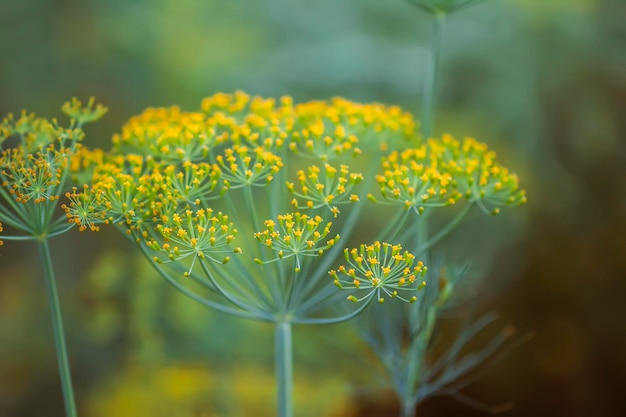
column 36, row 162
column 196, row 390
column 242, row 206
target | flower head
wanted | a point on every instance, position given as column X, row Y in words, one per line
column 325, row 187
column 84, row 114
column 196, row 235
column 479, row 176
column 380, row 269
column 85, row 209
column 40, row 168
column 331, row 129
column 413, row 178
column 193, row 182
column 244, row 166
column 297, row 235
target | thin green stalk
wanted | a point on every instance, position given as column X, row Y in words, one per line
column 425, row 247
column 234, row 300
column 262, row 251
column 251, row 206
column 196, row 297
column 10, row 200
column 57, row 328
column 408, row 409
column 5, row 237
column 394, row 226
column 335, row 320
column 430, row 80
column 284, row 369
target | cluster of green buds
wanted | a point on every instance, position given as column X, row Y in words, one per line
column 242, row 197
column 37, row 160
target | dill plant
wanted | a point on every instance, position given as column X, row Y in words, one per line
column 38, row 158
column 251, row 205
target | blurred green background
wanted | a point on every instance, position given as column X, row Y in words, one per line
column 541, row 81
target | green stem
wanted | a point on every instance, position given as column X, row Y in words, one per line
column 430, row 79
column 57, row 327
column 196, row 297
column 335, row 320
column 394, row 226
column 425, row 247
column 408, row 409
column 284, row 369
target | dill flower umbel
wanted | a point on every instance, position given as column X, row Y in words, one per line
column 325, row 187
column 237, row 204
column 480, row 177
column 36, row 173
column 413, row 179
column 183, row 171
column 297, row 235
column 380, row 269
column 199, row 235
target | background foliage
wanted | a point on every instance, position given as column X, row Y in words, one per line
column 543, row 82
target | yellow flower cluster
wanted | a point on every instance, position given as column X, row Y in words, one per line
column 480, row 177
column 380, row 268
column 193, row 182
column 297, row 235
column 168, row 134
column 377, row 127
column 35, row 176
column 171, row 170
column 440, row 172
column 199, row 235
column 1, row 229
column 321, row 129
column 39, row 166
column 325, row 187
column 84, row 209
column 243, row 166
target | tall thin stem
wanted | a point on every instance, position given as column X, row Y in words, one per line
column 430, row 80
column 57, row 328
column 284, row 369
column 408, row 409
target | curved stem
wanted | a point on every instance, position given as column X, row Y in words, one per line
column 196, row 297
column 430, row 80
column 228, row 296
column 14, row 205
column 283, row 353
column 335, row 320
column 60, row 231
column 5, row 237
column 249, row 200
column 57, row 328
column 446, row 229
column 394, row 226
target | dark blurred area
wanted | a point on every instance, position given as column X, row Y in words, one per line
column 542, row 82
